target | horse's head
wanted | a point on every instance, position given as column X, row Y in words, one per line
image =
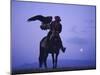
column 46, row 24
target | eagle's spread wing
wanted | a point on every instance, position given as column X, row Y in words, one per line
column 41, row 18
column 38, row 17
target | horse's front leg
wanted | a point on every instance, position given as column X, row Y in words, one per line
column 53, row 60
column 45, row 60
column 56, row 60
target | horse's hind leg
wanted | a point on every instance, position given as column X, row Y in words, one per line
column 40, row 61
column 41, row 57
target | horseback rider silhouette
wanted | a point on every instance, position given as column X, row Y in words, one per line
column 55, row 30
column 50, row 44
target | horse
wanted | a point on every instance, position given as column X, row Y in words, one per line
column 52, row 47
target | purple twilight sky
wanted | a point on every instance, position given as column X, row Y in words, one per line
column 78, row 32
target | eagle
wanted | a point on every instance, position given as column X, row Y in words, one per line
column 45, row 21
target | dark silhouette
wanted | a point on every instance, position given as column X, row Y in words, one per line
column 50, row 44
column 45, row 21
column 55, row 30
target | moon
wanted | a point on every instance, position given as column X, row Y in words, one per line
column 81, row 49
